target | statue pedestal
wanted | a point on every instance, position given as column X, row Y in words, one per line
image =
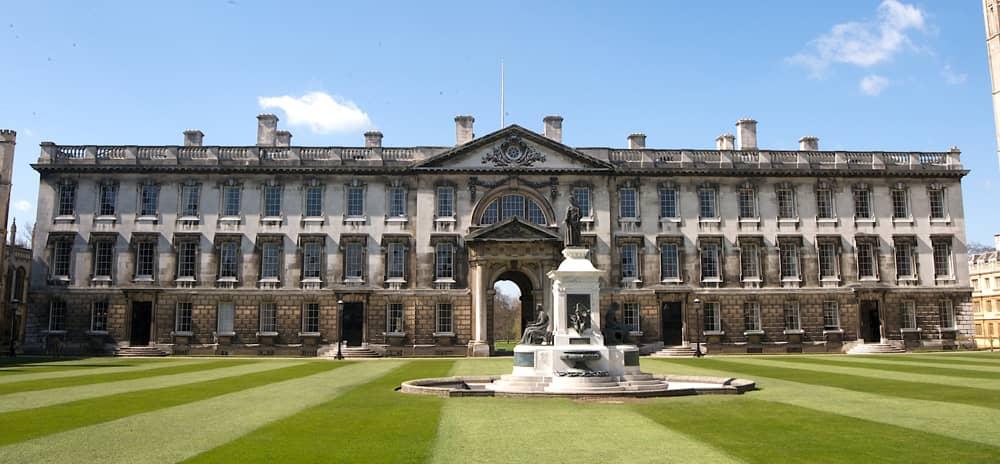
column 577, row 361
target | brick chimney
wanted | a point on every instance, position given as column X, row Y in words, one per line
column 553, row 127
column 725, row 142
column 463, row 129
column 193, row 138
column 373, row 139
column 809, row 143
column 746, row 134
column 282, row 138
column 267, row 126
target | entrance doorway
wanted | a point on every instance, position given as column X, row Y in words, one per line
column 142, row 316
column 354, row 323
column 513, row 309
column 672, row 318
column 871, row 321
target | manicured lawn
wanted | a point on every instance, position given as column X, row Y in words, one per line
column 926, row 407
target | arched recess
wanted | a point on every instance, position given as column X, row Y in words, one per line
column 526, row 286
column 499, row 199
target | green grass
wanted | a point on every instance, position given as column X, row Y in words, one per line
column 909, row 408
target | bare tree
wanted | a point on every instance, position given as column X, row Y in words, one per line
column 975, row 248
column 25, row 234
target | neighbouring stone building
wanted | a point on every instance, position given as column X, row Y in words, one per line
column 991, row 15
column 279, row 249
column 984, row 273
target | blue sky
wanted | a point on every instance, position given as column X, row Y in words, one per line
column 873, row 75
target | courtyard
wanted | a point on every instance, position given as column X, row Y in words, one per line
column 926, row 407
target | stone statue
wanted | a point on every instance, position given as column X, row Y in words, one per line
column 615, row 333
column 536, row 332
column 573, row 215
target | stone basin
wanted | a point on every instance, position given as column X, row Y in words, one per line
column 580, row 356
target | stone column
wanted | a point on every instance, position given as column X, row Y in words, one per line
column 478, row 346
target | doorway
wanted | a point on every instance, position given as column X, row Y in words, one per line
column 513, row 310
column 354, row 323
column 672, row 318
column 142, row 317
column 871, row 321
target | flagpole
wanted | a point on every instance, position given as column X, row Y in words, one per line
column 501, row 95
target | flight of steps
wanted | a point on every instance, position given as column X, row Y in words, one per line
column 676, row 351
column 351, row 352
column 577, row 385
column 875, row 348
column 138, row 351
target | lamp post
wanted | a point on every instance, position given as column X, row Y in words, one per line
column 340, row 329
column 701, row 322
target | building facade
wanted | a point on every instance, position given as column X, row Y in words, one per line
column 9, row 317
column 991, row 15
column 984, row 273
column 278, row 249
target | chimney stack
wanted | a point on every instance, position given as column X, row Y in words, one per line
column 193, row 138
column 636, row 141
column 809, row 143
column 725, row 142
column 282, row 138
column 463, row 129
column 996, row 242
column 267, row 126
column 373, row 139
column 746, row 134
column 553, row 127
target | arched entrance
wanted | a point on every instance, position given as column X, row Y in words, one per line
column 527, row 305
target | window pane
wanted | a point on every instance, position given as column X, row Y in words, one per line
column 354, row 258
column 445, row 202
column 789, row 260
column 444, row 261
column 310, row 318
column 67, row 199
column 942, row 258
column 863, row 204
column 630, row 261
column 444, row 318
column 272, row 200
column 107, row 200
column 866, row 260
column 831, row 315
column 904, row 260
column 710, row 261
column 190, row 199
column 749, row 261
column 57, row 315
column 269, row 256
column 182, row 321
column 535, row 215
column 668, row 262
column 268, row 317
column 355, row 201
column 231, row 201
column 148, row 200
column 226, row 313
column 827, row 259
column 706, row 203
column 711, row 314
column 229, row 259
column 937, row 203
column 61, row 257
column 145, row 254
column 582, row 196
column 510, row 206
column 899, row 204
column 751, row 316
column 668, row 203
column 824, row 204
column 630, row 316
column 786, row 204
column 748, row 206
column 397, row 260
column 103, row 258
column 99, row 318
column 314, row 201
column 792, row 316
column 394, row 318
column 311, row 260
column 397, row 202
column 187, row 253
column 626, row 203
column 491, row 214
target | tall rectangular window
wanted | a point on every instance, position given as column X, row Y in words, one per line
column 225, row 316
column 61, row 252
column 182, row 317
column 750, row 261
column 582, row 197
column 310, row 318
column 230, row 200
column 947, row 314
column 942, row 258
column 145, row 258
column 712, row 317
column 786, row 204
column 863, row 204
column 789, row 257
column 831, row 315
column 630, row 316
column 867, row 264
column 824, row 204
column 630, row 261
column 445, row 202
column 909, row 315
column 396, row 256
column 107, row 199
column 627, row 208
column 394, row 318
column 57, row 315
column 99, row 317
column 268, row 315
column 444, row 318
column 444, row 266
column 706, row 203
column 354, row 265
column 936, row 199
column 187, row 258
column 270, row 257
column 104, row 253
column 900, row 206
column 314, row 201
column 668, row 202
column 828, row 260
column 67, row 199
column 311, row 259
column 148, row 198
column 751, row 316
column 710, row 262
column 669, row 265
column 747, row 203
column 229, row 259
column 397, row 202
column 355, row 201
column 190, row 199
column 792, row 321
column 904, row 260
column 272, row 200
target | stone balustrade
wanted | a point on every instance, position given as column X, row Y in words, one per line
column 776, row 159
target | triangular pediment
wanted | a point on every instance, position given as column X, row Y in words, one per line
column 513, row 230
column 513, row 148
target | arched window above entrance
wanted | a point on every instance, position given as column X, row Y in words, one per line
column 511, row 205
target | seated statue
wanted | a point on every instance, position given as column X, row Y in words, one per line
column 615, row 333
column 537, row 332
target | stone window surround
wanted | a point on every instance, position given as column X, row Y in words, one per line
column 95, row 239
column 396, row 239
column 263, row 239
column 640, row 252
column 61, row 186
column 138, row 239
column 345, row 241
column 141, row 187
column 838, row 247
column 911, row 242
column 179, row 240
column 678, row 241
column 182, row 201
column 798, row 243
column 758, row 241
column 830, row 186
column 356, row 218
column 397, row 184
column 305, row 239
column 719, row 240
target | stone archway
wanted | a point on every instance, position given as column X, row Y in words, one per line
column 529, row 294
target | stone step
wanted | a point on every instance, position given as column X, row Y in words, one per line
column 137, row 351
column 676, row 351
column 875, row 348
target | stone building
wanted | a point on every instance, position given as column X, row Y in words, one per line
column 274, row 248
column 9, row 318
column 984, row 273
column 991, row 15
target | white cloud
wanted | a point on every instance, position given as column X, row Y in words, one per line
column 23, row 205
column 320, row 112
column 951, row 77
column 863, row 43
column 873, row 85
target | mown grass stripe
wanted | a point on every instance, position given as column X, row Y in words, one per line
column 372, row 423
column 89, row 367
column 62, row 382
column 973, row 359
column 903, row 389
column 959, row 421
column 861, row 360
column 754, row 430
column 31, row 423
column 42, row 398
column 176, row 433
column 887, row 366
column 860, row 371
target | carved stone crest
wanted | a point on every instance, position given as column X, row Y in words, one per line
column 513, row 152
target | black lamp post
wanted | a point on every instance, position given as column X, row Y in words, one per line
column 701, row 323
column 340, row 329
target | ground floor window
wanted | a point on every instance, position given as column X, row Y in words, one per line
column 751, row 316
column 909, row 315
column 226, row 314
column 713, row 321
column 947, row 314
column 268, row 317
column 310, row 318
column 99, row 317
column 831, row 315
column 630, row 316
column 182, row 317
column 57, row 315
column 394, row 318
column 444, row 318
column 792, row 320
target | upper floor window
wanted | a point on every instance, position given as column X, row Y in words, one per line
column 668, row 202
column 747, row 202
column 148, row 199
column 104, row 256
column 513, row 205
column 187, row 258
column 355, row 201
column 107, row 199
column 396, row 261
column 863, row 203
column 711, row 261
column 397, row 202
column 62, row 249
column 829, row 259
column 669, row 265
column 628, row 207
column 444, row 261
column 314, row 201
column 942, row 257
column 935, row 197
column 229, row 259
column 867, row 259
column 712, row 316
column 67, row 199
column 231, row 200
column 312, row 258
column 707, row 207
column 786, row 203
column 145, row 257
column 190, row 199
column 630, row 316
column 630, row 261
column 789, row 259
column 749, row 260
column 272, row 200
column 900, row 203
column 270, row 259
column 445, row 202
column 905, row 264
column 582, row 196
column 824, row 204
column 354, row 261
